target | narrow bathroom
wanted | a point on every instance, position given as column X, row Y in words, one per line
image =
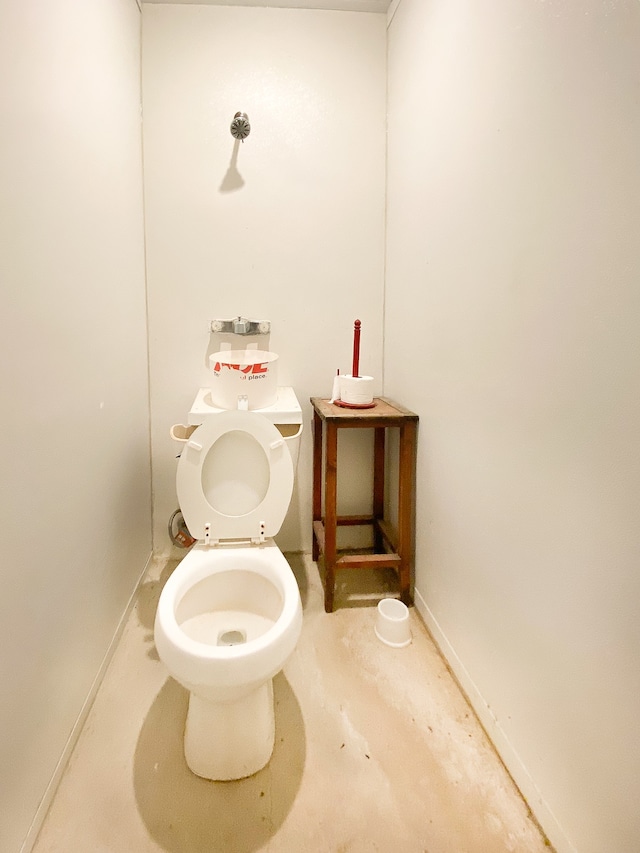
column 461, row 177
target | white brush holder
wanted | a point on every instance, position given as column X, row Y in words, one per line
column 392, row 623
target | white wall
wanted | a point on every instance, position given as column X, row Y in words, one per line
column 75, row 482
column 290, row 231
column 513, row 222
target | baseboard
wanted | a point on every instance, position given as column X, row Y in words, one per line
column 503, row 746
column 52, row 787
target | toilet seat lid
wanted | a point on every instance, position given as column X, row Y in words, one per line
column 235, row 478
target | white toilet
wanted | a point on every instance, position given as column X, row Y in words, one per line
column 230, row 615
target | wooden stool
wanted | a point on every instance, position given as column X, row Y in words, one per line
column 393, row 549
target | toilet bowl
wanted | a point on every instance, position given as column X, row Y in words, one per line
column 230, row 615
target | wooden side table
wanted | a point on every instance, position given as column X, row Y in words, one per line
column 393, row 548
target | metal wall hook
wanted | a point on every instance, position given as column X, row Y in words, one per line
column 240, row 127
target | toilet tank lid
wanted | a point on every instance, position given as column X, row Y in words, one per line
column 285, row 410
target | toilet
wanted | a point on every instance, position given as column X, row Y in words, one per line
column 230, row 615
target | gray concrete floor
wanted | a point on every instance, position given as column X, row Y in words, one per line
column 376, row 750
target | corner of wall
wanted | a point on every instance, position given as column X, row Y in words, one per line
column 393, row 8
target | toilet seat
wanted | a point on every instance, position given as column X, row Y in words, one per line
column 235, row 478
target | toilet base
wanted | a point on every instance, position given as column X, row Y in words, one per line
column 230, row 740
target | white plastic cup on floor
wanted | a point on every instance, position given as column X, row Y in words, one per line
column 392, row 623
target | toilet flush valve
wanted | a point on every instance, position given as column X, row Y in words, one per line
column 241, row 326
column 179, row 532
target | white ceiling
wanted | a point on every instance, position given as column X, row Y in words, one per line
column 335, row 5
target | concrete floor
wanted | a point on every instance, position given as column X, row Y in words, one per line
column 376, row 750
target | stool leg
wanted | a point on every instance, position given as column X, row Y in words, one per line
column 330, row 515
column 406, row 488
column 317, row 483
column 378, row 485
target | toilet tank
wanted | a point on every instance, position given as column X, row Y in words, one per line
column 285, row 414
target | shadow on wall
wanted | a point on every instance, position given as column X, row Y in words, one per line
column 183, row 812
column 232, row 180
